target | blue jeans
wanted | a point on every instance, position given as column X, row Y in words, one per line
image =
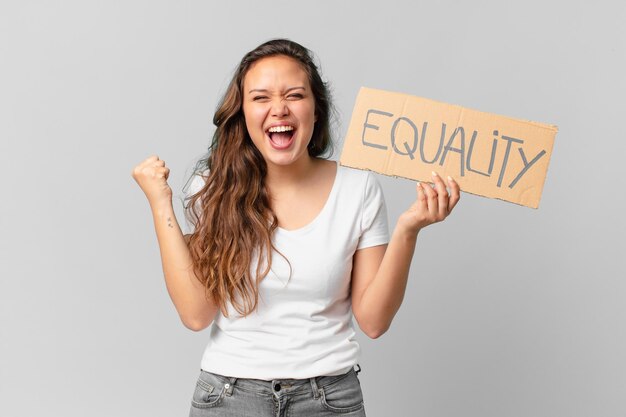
column 219, row 395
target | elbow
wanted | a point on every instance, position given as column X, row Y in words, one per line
column 195, row 325
column 375, row 334
column 371, row 328
column 198, row 321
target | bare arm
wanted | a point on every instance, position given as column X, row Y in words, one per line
column 379, row 279
column 380, row 273
column 187, row 293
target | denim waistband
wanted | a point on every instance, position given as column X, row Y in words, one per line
column 283, row 386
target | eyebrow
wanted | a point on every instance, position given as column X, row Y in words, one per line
column 262, row 90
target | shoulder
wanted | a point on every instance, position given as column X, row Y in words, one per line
column 358, row 178
column 360, row 186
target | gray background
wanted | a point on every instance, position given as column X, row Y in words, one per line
column 509, row 311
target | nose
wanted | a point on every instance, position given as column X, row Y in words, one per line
column 279, row 108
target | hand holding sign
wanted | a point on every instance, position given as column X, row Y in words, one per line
column 432, row 205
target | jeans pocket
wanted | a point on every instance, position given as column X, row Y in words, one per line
column 343, row 395
column 209, row 391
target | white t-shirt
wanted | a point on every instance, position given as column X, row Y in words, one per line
column 303, row 325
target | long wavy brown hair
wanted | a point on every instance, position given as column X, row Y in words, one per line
column 231, row 213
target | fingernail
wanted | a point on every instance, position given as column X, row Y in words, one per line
column 434, row 173
column 450, row 178
column 419, row 184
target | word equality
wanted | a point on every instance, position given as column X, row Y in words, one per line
column 451, row 141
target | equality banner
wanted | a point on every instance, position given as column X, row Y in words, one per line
column 489, row 155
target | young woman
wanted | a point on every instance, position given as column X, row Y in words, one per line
column 287, row 247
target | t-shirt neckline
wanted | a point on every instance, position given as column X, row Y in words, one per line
column 325, row 208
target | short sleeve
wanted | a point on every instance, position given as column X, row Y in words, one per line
column 197, row 182
column 374, row 225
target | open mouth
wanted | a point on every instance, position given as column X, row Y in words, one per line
column 281, row 137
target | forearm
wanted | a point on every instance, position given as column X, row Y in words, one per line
column 383, row 296
column 186, row 292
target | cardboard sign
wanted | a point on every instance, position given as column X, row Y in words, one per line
column 489, row 155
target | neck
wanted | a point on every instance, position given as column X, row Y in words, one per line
column 288, row 176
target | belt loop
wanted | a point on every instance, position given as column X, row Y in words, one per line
column 359, row 370
column 314, row 388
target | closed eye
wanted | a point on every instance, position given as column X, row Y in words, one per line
column 259, row 98
column 296, row 96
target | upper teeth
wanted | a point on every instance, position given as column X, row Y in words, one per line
column 280, row 129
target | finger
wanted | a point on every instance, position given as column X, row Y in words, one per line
column 161, row 172
column 455, row 193
column 431, row 195
column 422, row 201
column 442, row 196
column 147, row 162
column 421, row 196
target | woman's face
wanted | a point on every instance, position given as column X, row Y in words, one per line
column 279, row 109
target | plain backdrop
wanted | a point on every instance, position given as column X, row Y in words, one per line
column 509, row 311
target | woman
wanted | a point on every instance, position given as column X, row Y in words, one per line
column 287, row 247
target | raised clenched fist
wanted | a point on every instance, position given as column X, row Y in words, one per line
column 151, row 175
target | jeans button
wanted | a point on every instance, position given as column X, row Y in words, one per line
column 277, row 387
